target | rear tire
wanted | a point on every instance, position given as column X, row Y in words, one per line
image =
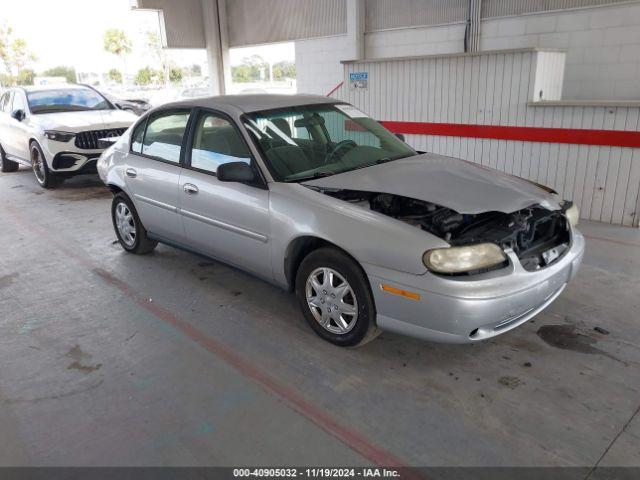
column 43, row 175
column 7, row 166
column 335, row 298
column 129, row 229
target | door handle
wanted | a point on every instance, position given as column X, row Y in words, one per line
column 131, row 173
column 190, row 188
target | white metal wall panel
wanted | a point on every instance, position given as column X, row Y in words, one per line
column 502, row 8
column 496, row 88
column 180, row 22
column 252, row 22
column 388, row 14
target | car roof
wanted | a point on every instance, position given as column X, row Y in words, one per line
column 59, row 86
column 238, row 104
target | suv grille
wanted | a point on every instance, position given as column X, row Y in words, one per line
column 89, row 140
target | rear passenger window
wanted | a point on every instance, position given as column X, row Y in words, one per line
column 163, row 137
column 216, row 141
column 137, row 136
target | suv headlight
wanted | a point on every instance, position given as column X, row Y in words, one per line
column 464, row 259
column 573, row 215
column 57, row 136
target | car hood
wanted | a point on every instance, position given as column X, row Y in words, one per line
column 82, row 121
column 456, row 184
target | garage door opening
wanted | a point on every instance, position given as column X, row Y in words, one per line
column 263, row 69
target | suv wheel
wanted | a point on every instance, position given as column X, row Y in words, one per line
column 44, row 177
column 129, row 229
column 7, row 166
column 335, row 298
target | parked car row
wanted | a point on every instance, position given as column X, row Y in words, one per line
column 57, row 130
column 316, row 197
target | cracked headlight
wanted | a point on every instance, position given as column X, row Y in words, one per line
column 573, row 215
column 464, row 259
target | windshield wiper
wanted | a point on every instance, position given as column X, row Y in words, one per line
column 320, row 174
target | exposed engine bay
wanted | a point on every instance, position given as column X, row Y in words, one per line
column 538, row 236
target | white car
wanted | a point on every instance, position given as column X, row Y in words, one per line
column 56, row 130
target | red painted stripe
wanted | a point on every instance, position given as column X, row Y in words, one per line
column 613, row 138
column 335, row 89
column 352, row 438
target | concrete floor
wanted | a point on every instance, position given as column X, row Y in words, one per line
column 171, row 359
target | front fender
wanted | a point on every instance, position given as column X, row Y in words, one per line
column 369, row 237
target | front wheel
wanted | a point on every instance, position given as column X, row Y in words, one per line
column 335, row 298
column 129, row 229
column 44, row 177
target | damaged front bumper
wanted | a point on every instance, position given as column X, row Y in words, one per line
column 470, row 308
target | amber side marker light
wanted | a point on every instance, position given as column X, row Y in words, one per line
column 399, row 292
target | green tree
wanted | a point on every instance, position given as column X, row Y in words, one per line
column 148, row 76
column 155, row 46
column 115, row 75
column 14, row 54
column 282, row 70
column 69, row 73
column 25, row 77
column 144, row 76
column 116, row 42
column 251, row 69
column 175, row 75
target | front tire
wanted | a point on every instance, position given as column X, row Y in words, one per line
column 43, row 175
column 6, row 165
column 129, row 229
column 335, row 298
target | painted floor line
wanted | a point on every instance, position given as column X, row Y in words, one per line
column 348, row 436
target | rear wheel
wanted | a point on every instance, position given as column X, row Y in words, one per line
column 335, row 298
column 129, row 229
column 44, row 177
column 6, row 165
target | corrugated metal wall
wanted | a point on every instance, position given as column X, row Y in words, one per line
column 252, row 22
column 495, row 89
column 181, row 24
column 502, row 8
column 387, row 14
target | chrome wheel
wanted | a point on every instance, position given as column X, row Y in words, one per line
column 331, row 300
column 126, row 224
column 37, row 163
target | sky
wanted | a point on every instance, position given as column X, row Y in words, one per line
column 70, row 32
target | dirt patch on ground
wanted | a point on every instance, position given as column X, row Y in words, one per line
column 76, row 194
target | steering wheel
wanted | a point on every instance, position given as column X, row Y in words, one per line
column 339, row 146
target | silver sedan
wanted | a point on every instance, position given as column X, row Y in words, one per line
column 316, row 197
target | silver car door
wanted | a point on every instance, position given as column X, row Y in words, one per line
column 5, row 108
column 152, row 172
column 229, row 221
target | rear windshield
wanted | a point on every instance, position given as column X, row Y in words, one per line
column 66, row 100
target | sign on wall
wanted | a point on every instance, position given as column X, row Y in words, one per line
column 359, row 80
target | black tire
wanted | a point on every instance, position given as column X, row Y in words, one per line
column 365, row 328
column 7, row 166
column 141, row 244
column 41, row 171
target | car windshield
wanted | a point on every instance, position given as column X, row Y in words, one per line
column 313, row 141
column 66, row 100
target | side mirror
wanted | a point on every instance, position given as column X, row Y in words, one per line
column 19, row 115
column 400, row 136
column 236, row 172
